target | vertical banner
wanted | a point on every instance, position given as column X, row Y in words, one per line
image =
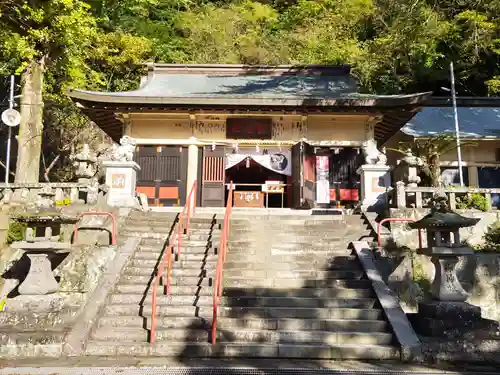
column 322, row 181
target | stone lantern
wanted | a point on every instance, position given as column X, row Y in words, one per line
column 447, row 315
column 84, row 163
column 444, row 247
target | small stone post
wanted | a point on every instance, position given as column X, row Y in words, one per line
column 121, row 175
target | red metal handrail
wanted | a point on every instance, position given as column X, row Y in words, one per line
column 220, row 262
column 91, row 213
column 396, row 219
column 167, row 259
column 187, row 207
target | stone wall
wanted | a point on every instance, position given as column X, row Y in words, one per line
column 410, row 274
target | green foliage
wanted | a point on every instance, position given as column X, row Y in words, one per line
column 394, row 46
column 492, row 237
column 474, row 201
column 420, row 278
column 16, row 232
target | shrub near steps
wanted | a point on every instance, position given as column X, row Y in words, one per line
column 298, row 294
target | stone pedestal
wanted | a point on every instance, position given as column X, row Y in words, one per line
column 121, row 178
column 446, row 286
column 40, row 279
column 375, row 181
column 453, row 320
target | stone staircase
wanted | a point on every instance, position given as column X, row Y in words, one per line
column 292, row 289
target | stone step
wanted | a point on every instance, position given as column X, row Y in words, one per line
column 152, row 216
column 127, row 334
column 251, row 274
column 343, row 273
column 292, row 236
column 188, row 290
column 283, row 245
column 157, row 235
column 243, row 349
column 291, row 324
column 246, row 284
column 210, row 263
column 12, row 336
column 159, row 243
column 243, row 301
column 206, row 225
column 184, row 280
column 260, row 264
column 325, row 293
column 176, row 272
column 292, row 283
column 208, row 267
column 230, row 274
column 148, row 226
column 154, row 255
column 212, row 237
column 184, row 249
column 233, row 312
column 162, row 300
column 286, row 249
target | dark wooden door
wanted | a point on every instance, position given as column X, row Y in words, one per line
column 343, row 175
column 303, row 175
column 163, row 174
column 213, row 177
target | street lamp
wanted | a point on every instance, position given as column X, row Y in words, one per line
column 457, row 129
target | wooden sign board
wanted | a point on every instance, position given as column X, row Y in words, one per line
column 249, row 128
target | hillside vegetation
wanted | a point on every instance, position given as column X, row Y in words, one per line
column 394, row 46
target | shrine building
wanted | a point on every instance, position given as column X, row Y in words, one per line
column 286, row 136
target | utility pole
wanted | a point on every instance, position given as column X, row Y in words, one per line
column 457, row 129
column 11, row 106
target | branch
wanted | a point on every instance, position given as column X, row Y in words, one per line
column 4, row 166
column 49, row 168
column 56, row 159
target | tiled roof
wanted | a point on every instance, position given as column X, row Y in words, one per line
column 474, row 122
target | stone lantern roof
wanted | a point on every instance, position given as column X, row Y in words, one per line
column 441, row 217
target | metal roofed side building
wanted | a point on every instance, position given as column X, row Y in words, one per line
column 189, row 119
column 479, row 121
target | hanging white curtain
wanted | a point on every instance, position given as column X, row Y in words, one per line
column 279, row 161
column 233, row 159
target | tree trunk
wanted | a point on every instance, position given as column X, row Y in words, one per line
column 31, row 127
column 435, row 170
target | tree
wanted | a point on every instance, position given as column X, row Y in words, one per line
column 429, row 150
column 37, row 35
column 56, row 44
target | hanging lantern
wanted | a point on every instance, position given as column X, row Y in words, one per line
column 213, row 146
column 248, row 162
column 257, row 149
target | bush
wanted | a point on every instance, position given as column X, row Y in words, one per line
column 16, row 232
column 492, row 236
column 474, row 201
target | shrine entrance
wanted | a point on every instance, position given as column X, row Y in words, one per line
column 261, row 177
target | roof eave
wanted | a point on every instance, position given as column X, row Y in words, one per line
column 348, row 101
